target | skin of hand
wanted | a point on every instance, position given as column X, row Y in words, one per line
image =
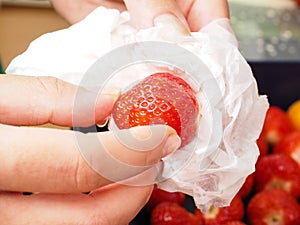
column 47, row 160
column 193, row 14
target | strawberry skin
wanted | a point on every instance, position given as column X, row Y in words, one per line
column 278, row 171
column 276, row 125
column 290, row 145
column 235, row 222
column 247, row 186
column 273, row 207
column 169, row 213
column 262, row 145
column 217, row 216
column 159, row 195
column 160, row 98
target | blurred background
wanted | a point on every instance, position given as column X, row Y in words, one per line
column 268, row 32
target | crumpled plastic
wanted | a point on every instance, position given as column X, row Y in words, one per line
column 214, row 166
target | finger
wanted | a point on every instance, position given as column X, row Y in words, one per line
column 63, row 161
column 39, row 100
column 144, row 13
column 75, row 10
column 111, row 205
column 201, row 12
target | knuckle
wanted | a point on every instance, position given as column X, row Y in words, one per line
column 85, row 179
column 52, row 86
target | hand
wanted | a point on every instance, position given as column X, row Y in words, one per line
column 75, row 10
column 49, row 161
column 193, row 14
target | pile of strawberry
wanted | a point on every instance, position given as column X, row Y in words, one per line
column 269, row 196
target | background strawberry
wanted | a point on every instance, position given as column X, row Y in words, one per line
column 169, row 213
column 236, row 222
column 262, row 145
column 278, row 171
column 276, row 125
column 218, row 216
column 159, row 195
column 161, row 98
column 247, row 186
column 273, row 207
column 290, row 145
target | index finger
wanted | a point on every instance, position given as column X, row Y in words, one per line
column 27, row 100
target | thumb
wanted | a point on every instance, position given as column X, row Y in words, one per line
column 132, row 156
column 143, row 13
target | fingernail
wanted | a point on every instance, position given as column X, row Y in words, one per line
column 172, row 144
column 103, row 123
column 111, row 92
column 173, row 21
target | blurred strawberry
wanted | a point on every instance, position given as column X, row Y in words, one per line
column 276, row 125
column 278, row 171
column 218, row 216
column 262, row 145
column 168, row 213
column 247, row 186
column 290, row 145
column 273, row 207
column 235, row 222
column 161, row 98
column 159, row 195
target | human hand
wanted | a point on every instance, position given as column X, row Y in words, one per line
column 49, row 161
column 193, row 14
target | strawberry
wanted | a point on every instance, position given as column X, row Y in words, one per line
column 273, row 207
column 169, row 213
column 276, row 125
column 217, row 216
column 262, row 145
column 159, row 195
column 247, row 186
column 290, row 145
column 278, row 171
column 235, row 222
column 160, row 98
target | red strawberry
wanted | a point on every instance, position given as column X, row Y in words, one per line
column 290, row 145
column 276, row 125
column 278, row 171
column 262, row 145
column 169, row 213
column 161, row 98
column 159, row 195
column 273, row 207
column 217, row 216
column 235, row 222
column 247, row 186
